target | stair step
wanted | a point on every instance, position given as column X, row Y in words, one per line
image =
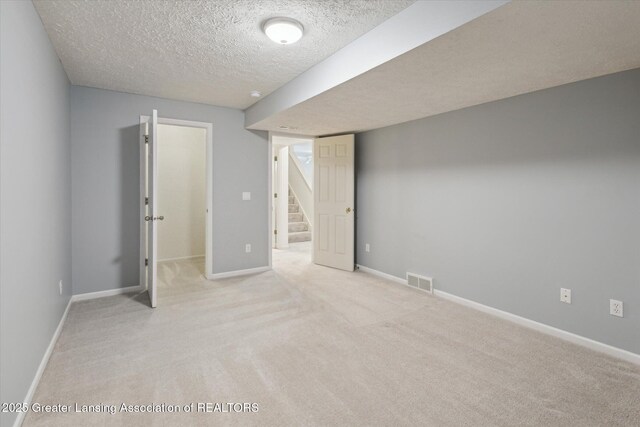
column 292, row 200
column 295, row 217
column 301, row 236
column 294, row 208
column 295, row 227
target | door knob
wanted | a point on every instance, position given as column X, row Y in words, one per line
column 161, row 217
column 147, row 218
column 348, row 210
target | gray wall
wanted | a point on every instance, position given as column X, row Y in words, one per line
column 105, row 159
column 506, row 202
column 35, row 197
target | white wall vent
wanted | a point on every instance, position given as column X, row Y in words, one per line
column 420, row 282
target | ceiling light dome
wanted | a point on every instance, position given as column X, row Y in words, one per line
column 283, row 30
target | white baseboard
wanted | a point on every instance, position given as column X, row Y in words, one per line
column 523, row 321
column 381, row 274
column 238, row 273
column 43, row 364
column 389, row 277
column 182, row 258
column 107, row 293
column 549, row 330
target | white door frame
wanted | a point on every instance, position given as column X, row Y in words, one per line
column 208, row 261
column 270, row 184
column 282, row 202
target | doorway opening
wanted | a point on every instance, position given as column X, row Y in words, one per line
column 330, row 189
column 176, row 204
column 292, row 203
column 182, row 201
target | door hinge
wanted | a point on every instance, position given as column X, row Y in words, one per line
column 275, row 231
column 146, row 200
column 146, row 261
column 146, row 139
column 275, row 158
column 275, row 195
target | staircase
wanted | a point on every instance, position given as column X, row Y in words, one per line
column 299, row 229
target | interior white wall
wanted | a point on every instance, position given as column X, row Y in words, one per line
column 35, row 198
column 181, row 191
column 301, row 188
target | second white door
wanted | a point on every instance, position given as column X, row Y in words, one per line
column 333, row 192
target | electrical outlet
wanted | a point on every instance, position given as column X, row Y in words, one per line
column 367, row 248
column 615, row 308
column 246, row 195
column 565, row 295
column 247, row 247
column 60, row 286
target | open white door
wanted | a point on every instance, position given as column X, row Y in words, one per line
column 333, row 193
column 144, row 135
column 149, row 206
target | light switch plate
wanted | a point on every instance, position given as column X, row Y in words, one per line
column 367, row 248
column 247, row 247
column 246, row 195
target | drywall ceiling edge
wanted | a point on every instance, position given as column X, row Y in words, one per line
column 418, row 24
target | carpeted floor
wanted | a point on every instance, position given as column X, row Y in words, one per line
column 317, row 346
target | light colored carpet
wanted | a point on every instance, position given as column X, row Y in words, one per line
column 317, row 346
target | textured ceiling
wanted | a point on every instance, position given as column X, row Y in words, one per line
column 518, row 48
column 212, row 52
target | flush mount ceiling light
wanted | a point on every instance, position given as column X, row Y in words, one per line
column 283, row 30
column 255, row 93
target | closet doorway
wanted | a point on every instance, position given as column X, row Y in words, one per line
column 176, row 181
